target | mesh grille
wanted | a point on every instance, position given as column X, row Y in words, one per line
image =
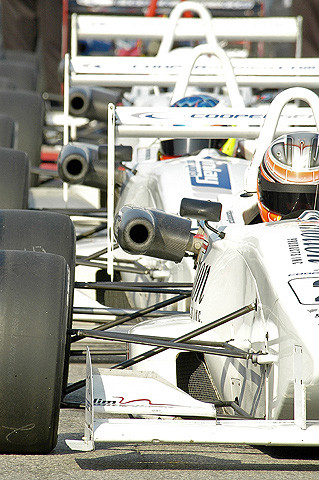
column 194, row 378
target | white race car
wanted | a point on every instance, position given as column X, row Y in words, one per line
column 242, row 367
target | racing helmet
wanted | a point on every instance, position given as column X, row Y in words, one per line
column 288, row 176
column 187, row 146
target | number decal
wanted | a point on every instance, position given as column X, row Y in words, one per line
column 316, row 284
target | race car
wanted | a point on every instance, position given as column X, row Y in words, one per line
column 248, row 348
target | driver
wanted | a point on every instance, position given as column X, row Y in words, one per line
column 288, row 177
column 179, row 147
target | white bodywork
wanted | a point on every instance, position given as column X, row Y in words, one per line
column 104, row 27
column 208, row 175
column 271, row 264
column 276, row 266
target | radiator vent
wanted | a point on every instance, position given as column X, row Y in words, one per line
column 194, row 378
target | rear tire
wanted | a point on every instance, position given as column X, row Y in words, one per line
column 33, row 318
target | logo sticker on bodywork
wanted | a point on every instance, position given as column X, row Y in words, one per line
column 208, row 173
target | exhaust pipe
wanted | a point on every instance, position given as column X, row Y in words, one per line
column 146, row 231
column 92, row 102
column 86, row 164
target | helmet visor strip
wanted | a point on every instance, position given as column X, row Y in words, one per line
column 287, row 198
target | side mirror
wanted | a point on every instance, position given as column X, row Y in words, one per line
column 201, row 209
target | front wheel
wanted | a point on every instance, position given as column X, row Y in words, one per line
column 33, row 323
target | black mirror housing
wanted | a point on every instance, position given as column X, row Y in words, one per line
column 201, row 209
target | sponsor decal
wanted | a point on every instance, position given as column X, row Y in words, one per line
column 158, row 66
column 195, row 315
column 221, row 118
column 238, row 68
column 294, row 251
column 307, row 247
column 230, row 216
column 310, row 241
column 309, row 216
column 302, row 274
column 200, row 282
column 207, row 173
column 212, row 116
column 101, row 402
column 224, row 116
column 314, row 311
column 198, row 290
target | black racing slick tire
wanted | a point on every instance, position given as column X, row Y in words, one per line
column 23, row 74
column 45, row 232
column 27, row 110
column 38, row 231
column 33, row 319
column 8, row 128
column 14, row 178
